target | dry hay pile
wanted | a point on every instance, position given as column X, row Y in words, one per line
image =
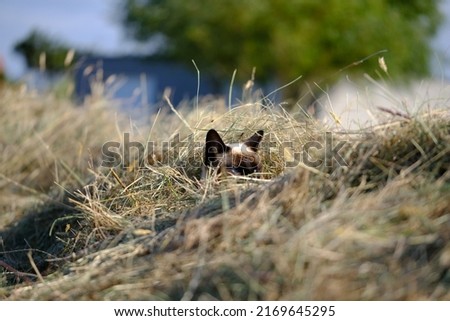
column 374, row 228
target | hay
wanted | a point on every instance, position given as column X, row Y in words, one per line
column 374, row 228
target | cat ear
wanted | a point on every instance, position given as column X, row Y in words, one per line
column 253, row 142
column 213, row 139
column 214, row 145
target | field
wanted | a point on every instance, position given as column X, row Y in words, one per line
column 336, row 214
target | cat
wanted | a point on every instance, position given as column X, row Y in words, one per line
column 238, row 159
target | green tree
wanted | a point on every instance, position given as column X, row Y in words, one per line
column 286, row 39
column 36, row 44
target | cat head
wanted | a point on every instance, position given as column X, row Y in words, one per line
column 235, row 159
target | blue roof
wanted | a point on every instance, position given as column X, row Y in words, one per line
column 159, row 74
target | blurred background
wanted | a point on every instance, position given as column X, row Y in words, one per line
column 142, row 47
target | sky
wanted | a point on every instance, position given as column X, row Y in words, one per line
column 93, row 24
column 82, row 24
